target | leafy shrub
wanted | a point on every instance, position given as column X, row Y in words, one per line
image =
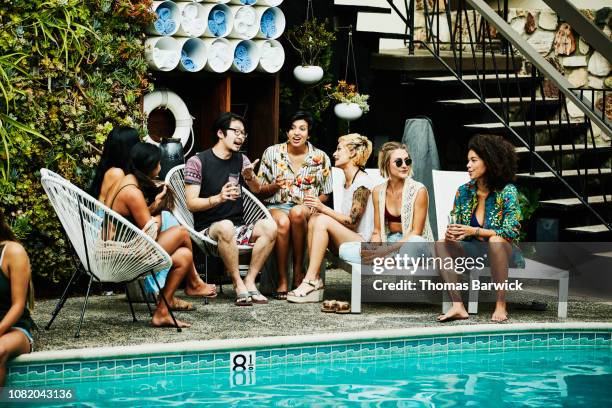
column 69, row 70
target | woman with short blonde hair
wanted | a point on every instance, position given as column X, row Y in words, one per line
column 336, row 229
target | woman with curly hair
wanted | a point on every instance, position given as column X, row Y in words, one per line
column 16, row 293
column 486, row 209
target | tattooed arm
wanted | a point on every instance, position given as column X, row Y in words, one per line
column 360, row 202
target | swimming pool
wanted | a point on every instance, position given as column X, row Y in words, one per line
column 504, row 366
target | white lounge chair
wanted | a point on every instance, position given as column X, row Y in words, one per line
column 254, row 211
column 445, row 180
column 109, row 247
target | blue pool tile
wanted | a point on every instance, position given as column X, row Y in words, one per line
column 51, row 368
column 353, row 350
column 173, row 363
column 602, row 339
column 511, row 341
column 454, row 344
column 278, row 356
column 571, row 340
column 123, row 367
column 425, row 346
column 106, row 367
column 323, row 353
column 440, row 345
column 206, row 361
column 294, row 355
column 383, row 349
column 587, row 339
column 468, row 343
column 482, row 342
column 411, row 347
column 339, row 352
column 141, row 365
column 540, row 340
column 18, row 369
column 157, row 364
column 72, row 370
column 555, row 339
column 496, row 342
column 262, row 357
column 367, row 350
column 309, row 355
column 190, row 362
column 397, row 346
column 222, row 360
column 526, row 340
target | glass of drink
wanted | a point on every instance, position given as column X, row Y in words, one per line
column 234, row 178
column 452, row 219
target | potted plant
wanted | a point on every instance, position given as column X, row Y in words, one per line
column 311, row 40
column 350, row 103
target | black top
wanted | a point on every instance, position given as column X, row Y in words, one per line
column 25, row 321
column 215, row 173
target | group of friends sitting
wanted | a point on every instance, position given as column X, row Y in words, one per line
column 294, row 181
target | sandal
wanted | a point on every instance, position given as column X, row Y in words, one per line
column 343, row 307
column 279, row 295
column 180, row 305
column 329, row 306
column 243, row 299
column 314, row 295
column 253, row 293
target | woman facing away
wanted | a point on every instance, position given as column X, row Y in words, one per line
column 113, row 166
column 288, row 170
column 486, row 209
column 15, row 291
column 400, row 204
column 344, row 230
column 129, row 198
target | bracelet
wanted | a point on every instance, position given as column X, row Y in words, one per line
column 477, row 232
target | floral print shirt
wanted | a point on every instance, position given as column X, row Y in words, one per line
column 502, row 210
column 314, row 174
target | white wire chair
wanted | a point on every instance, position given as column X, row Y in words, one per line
column 110, row 248
column 253, row 209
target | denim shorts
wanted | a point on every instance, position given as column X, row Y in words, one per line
column 27, row 334
column 284, row 207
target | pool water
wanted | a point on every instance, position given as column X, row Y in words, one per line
column 536, row 378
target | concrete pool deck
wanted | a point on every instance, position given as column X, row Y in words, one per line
column 108, row 321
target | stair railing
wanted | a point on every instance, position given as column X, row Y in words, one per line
column 479, row 35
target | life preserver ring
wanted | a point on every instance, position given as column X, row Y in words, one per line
column 183, row 120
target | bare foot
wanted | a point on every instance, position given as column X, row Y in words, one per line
column 456, row 312
column 500, row 314
column 160, row 320
column 202, row 289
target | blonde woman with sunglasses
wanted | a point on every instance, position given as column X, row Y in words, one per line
column 400, row 204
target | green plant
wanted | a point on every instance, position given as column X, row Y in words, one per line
column 343, row 92
column 311, row 40
column 69, row 70
column 529, row 200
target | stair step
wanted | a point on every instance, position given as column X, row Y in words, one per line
column 451, row 79
column 589, row 229
column 571, row 203
column 521, row 124
column 566, row 149
column 541, row 175
column 496, row 101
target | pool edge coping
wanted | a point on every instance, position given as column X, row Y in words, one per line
column 254, row 343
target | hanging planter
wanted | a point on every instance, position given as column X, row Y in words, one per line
column 348, row 111
column 312, row 41
column 310, row 74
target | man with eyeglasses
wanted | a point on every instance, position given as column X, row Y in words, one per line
column 213, row 178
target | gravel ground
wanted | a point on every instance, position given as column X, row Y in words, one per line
column 108, row 321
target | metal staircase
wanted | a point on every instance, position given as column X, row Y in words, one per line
column 508, row 88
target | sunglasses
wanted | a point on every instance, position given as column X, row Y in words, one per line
column 407, row 161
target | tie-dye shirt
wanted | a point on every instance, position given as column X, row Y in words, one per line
column 502, row 209
column 314, row 174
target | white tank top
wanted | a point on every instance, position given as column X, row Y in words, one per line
column 366, row 225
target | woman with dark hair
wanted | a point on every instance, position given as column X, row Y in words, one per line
column 113, row 166
column 114, row 160
column 16, row 293
column 486, row 209
column 288, row 172
column 132, row 197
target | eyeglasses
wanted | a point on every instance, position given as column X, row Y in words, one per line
column 407, row 161
column 239, row 132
